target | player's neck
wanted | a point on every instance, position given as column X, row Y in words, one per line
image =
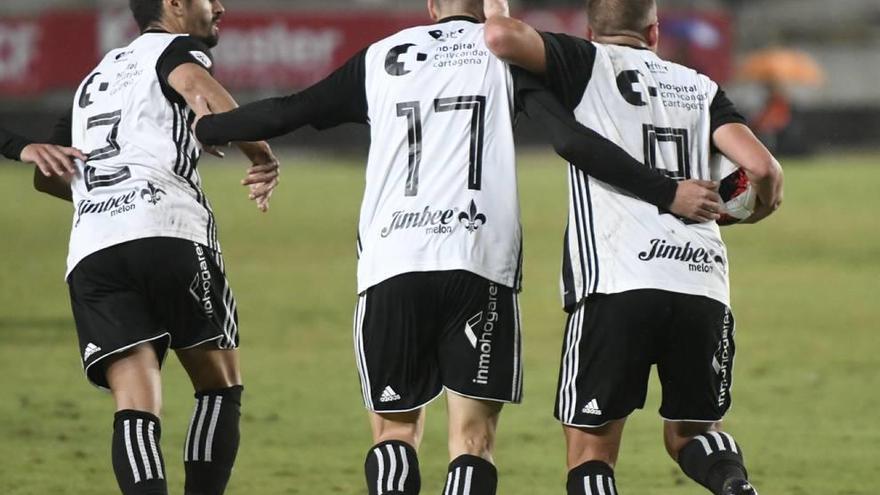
column 624, row 40
column 165, row 26
column 453, row 13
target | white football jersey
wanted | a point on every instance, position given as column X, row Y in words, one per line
column 441, row 191
column 140, row 179
column 659, row 112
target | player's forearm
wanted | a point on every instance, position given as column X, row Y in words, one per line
column 516, row 43
column 12, row 144
column 594, row 154
column 740, row 145
column 260, row 120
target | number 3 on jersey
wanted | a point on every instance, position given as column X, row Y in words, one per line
column 109, row 119
column 412, row 111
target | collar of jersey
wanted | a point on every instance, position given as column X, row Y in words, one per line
column 156, row 30
column 458, row 18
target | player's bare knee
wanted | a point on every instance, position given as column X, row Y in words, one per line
column 404, row 427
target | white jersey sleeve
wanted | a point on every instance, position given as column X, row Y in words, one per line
column 659, row 112
column 140, row 179
column 441, row 190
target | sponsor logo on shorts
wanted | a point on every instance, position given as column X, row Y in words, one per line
column 90, row 351
column 432, row 221
column 201, row 286
column 721, row 359
column 484, row 322
column 389, row 395
column 592, row 407
column 698, row 259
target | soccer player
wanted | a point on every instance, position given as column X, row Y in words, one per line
column 144, row 267
column 49, row 158
column 642, row 288
column 439, row 239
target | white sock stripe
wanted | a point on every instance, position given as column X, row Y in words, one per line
column 448, row 484
column 155, row 449
column 381, row 463
column 392, row 466
column 405, row 470
column 215, row 414
column 587, row 489
column 611, row 488
column 705, row 443
column 732, row 442
column 600, row 484
column 455, row 479
column 468, row 474
column 197, row 436
column 187, row 452
column 127, row 433
column 718, row 440
column 142, row 449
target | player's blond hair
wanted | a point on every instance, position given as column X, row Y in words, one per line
column 616, row 17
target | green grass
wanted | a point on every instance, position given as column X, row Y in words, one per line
column 805, row 287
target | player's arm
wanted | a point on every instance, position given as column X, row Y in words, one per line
column 598, row 157
column 736, row 141
column 49, row 159
column 337, row 99
column 512, row 40
column 58, row 185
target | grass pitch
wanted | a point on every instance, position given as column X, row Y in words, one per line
column 805, row 287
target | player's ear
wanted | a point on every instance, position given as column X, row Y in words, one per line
column 432, row 11
column 652, row 36
column 174, row 8
column 591, row 35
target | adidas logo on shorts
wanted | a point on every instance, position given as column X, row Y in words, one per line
column 389, row 395
column 592, row 407
column 90, row 349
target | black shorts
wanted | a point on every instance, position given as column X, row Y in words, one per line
column 418, row 333
column 167, row 291
column 612, row 340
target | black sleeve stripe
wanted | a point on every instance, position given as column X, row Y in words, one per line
column 183, row 50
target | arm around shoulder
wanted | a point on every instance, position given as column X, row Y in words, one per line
column 517, row 43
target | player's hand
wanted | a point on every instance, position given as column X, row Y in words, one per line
column 262, row 179
column 52, row 160
column 201, row 108
column 496, row 8
column 697, row 200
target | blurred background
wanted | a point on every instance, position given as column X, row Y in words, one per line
column 805, row 71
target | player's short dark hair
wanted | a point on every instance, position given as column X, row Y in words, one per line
column 145, row 12
column 609, row 17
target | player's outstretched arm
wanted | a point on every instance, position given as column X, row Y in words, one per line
column 600, row 158
column 738, row 143
column 512, row 40
column 192, row 81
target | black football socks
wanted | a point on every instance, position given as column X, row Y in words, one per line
column 137, row 458
column 471, row 475
column 212, row 441
column 392, row 468
column 591, row 478
column 711, row 459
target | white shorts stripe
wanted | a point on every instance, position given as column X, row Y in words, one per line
column 360, row 354
column 566, row 369
column 155, row 449
column 128, row 450
column 381, row 461
column 209, row 443
column 142, row 449
column 198, row 433
column 392, row 466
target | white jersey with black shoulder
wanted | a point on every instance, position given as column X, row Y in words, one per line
column 140, row 179
column 663, row 114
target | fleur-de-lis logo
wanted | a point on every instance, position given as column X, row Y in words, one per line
column 471, row 219
column 152, row 194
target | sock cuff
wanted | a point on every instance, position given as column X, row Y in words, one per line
column 135, row 414
column 232, row 393
column 700, row 457
column 591, row 468
column 475, row 461
column 410, row 450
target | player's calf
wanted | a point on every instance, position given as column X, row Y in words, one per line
column 212, row 441
column 713, row 459
column 137, row 457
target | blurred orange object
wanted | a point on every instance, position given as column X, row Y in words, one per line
column 782, row 66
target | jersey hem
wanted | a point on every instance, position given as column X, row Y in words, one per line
column 691, row 290
column 505, row 280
